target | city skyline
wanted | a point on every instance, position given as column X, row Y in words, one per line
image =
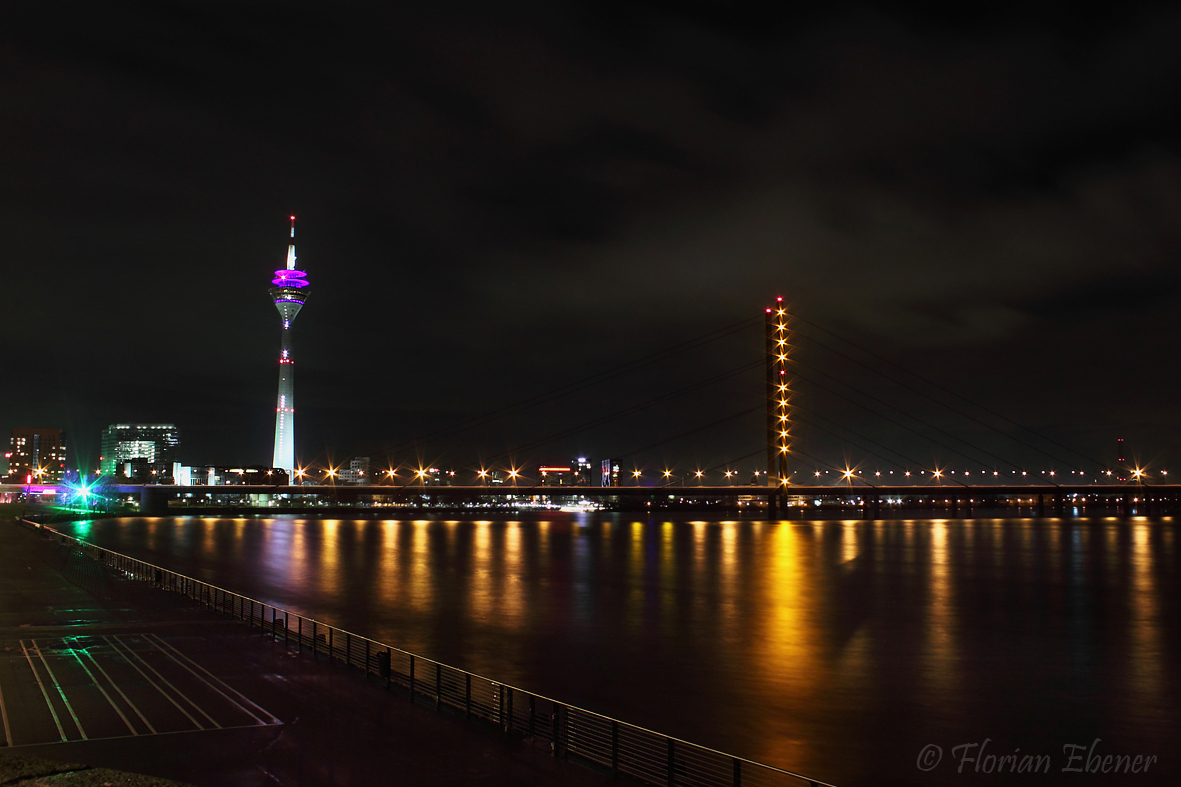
column 623, row 184
column 695, row 393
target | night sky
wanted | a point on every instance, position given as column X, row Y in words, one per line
column 493, row 204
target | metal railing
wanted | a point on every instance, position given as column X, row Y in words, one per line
column 573, row 733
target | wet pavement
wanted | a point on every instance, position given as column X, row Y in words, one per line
column 105, row 671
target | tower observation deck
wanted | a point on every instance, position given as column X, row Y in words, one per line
column 289, row 292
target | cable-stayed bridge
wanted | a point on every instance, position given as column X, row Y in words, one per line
column 835, row 398
column 904, row 441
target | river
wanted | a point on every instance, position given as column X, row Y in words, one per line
column 838, row 649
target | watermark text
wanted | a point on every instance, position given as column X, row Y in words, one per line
column 982, row 757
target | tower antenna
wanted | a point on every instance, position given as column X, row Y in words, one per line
column 291, row 248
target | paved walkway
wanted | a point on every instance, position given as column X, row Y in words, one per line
column 104, row 671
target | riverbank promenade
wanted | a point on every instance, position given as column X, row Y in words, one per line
column 102, row 670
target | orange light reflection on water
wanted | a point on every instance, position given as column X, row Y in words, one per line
column 940, row 663
column 1145, row 674
column 785, row 647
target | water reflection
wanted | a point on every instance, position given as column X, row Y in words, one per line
column 939, row 662
column 835, row 648
column 1145, row 678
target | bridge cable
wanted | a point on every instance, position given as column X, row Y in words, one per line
column 587, row 382
column 916, row 462
column 578, row 385
column 627, row 411
column 595, row 379
column 867, row 450
column 942, row 404
column 688, row 432
column 681, row 484
column 945, row 390
column 793, row 452
column 897, row 423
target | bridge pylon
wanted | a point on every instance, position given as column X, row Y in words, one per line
column 778, row 346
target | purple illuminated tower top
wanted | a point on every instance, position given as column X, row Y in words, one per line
column 289, row 292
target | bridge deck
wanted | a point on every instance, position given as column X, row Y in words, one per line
column 677, row 490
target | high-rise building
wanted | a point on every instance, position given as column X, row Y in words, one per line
column 575, row 473
column 37, row 456
column 357, row 472
column 153, row 444
column 610, row 473
column 584, row 471
column 289, row 293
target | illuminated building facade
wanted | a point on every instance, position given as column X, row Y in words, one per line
column 289, row 292
column 140, row 471
column 152, row 444
column 357, row 472
column 610, row 473
column 220, row 475
column 575, row 473
column 36, row 456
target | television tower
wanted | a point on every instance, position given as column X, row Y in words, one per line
column 289, row 293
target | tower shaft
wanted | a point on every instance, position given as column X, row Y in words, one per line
column 285, row 408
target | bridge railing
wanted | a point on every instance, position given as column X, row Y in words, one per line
column 573, row 733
